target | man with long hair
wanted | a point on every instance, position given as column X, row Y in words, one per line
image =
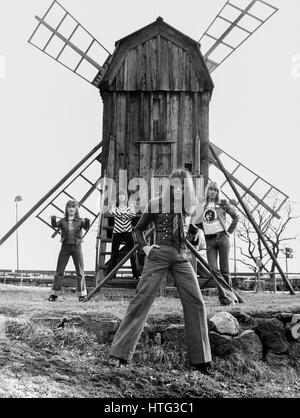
column 169, row 214
column 70, row 228
column 213, row 222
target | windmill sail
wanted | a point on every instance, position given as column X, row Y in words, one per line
column 83, row 188
column 256, row 191
column 233, row 25
column 60, row 36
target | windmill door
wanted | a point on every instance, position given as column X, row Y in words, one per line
column 157, row 140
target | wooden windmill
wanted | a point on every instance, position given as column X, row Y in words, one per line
column 156, row 88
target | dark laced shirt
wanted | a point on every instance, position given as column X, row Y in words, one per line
column 169, row 227
column 70, row 238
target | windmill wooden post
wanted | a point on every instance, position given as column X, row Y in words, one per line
column 156, row 93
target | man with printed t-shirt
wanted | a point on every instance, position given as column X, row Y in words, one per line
column 213, row 223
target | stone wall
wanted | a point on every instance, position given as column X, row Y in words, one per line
column 272, row 337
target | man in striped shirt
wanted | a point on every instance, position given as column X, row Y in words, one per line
column 123, row 214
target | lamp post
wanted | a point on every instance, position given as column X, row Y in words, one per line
column 288, row 254
column 234, row 203
column 17, row 199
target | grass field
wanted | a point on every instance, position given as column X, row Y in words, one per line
column 28, row 300
column 40, row 361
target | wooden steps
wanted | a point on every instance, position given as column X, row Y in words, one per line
column 124, row 275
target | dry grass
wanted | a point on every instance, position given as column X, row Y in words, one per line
column 49, row 363
column 42, row 337
column 44, row 361
column 18, row 300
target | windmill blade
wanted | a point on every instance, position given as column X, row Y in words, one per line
column 84, row 187
column 233, row 25
column 60, row 36
column 86, row 171
column 258, row 192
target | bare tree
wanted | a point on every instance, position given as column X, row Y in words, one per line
column 275, row 233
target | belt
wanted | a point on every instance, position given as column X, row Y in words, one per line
column 217, row 235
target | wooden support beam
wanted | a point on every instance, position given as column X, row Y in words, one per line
column 114, row 271
column 250, row 187
column 57, row 27
column 100, row 224
column 47, row 11
column 53, row 190
column 86, row 51
column 204, row 135
column 264, row 196
column 74, row 47
column 220, row 151
column 64, row 47
column 86, row 196
column 84, row 207
column 155, row 142
column 223, row 43
column 223, row 36
column 56, row 207
column 248, row 191
column 206, row 267
column 252, row 220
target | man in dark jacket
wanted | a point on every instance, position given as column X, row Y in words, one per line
column 168, row 253
column 70, row 228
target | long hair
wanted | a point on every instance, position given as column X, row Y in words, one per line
column 124, row 193
column 188, row 200
column 72, row 203
column 211, row 185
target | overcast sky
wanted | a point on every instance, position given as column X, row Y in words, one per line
column 51, row 118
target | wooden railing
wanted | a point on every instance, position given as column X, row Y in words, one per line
column 241, row 280
column 42, row 277
column 264, row 281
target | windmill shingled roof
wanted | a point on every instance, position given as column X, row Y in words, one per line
column 158, row 26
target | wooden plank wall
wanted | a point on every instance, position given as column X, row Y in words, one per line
column 153, row 130
column 157, row 64
column 155, row 118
